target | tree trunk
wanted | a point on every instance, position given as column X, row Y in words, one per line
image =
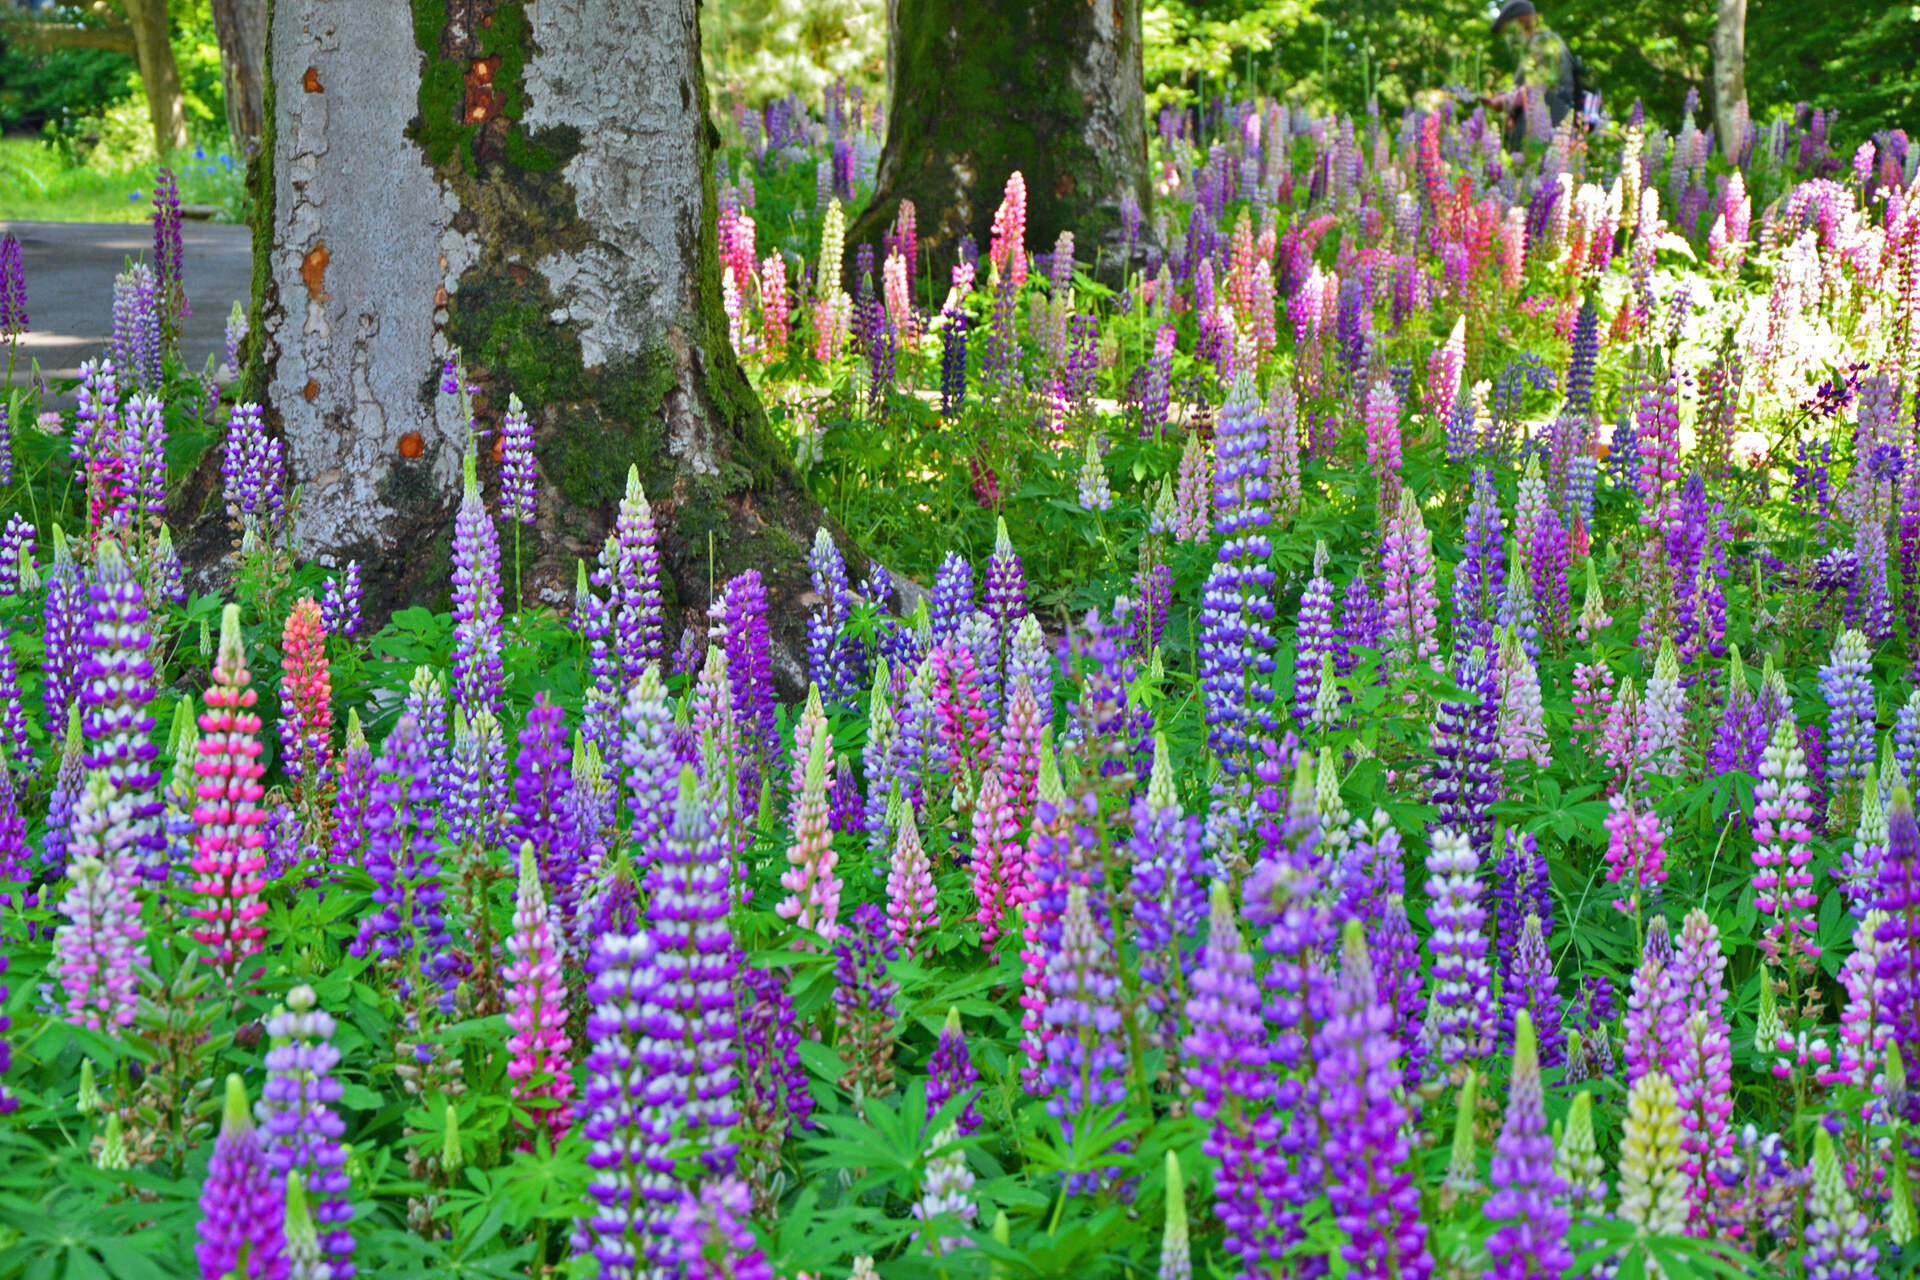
column 534, row 186
column 1729, row 69
column 159, row 75
column 241, row 28
column 981, row 88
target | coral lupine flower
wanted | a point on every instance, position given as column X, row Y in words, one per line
column 1782, row 879
column 1531, row 1241
column 306, row 725
column 911, row 906
column 242, row 1213
column 537, row 1007
column 227, row 859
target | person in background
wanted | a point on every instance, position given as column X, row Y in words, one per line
column 1544, row 63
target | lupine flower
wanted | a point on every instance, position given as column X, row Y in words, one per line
column 1176, row 1259
column 630, row 572
column 1837, row 1245
column 306, row 724
column 1479, row 580
column 738, row 624
column 1845, row 682
column 1576, row 1158
column 13, row 288
column 94, row 951
column 1899, row 935
column 242, row 1212
column 1782, row 880
column 912, row 907
column 1531, row 1240
column 139, row 342
column 1656, row 1009
column 537, row 1008
column 1086, row 1063
column 236, row 334
column 1462, row 977
column 834, row 657
column 1373, row 1197
column 1314, row 636
column 1235, row 656
column 1653, row 1189
column 1860, row 865
column 1095, row 491
column 1383, row 440
column 863, row 1008
column 1522, row 731
column 13, row 716
column 960, row 709
column 951, row 1074
column 709, row 1236
column 227, row 862
column 116, row 686
column 1466, row 771
column 1193, row 493
column 253, row 469
column 519, row 477
column 999, row 878
column 353, row 789
column 1407, row 571
column 1636, row 852
column 303, row 1130
column 479, row 676
column 624, row 1131
column 1169, row 883
column 408, row 926
column 812, row 880
column 340, row 602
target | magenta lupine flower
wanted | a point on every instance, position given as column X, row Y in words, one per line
column 227, row 858
column 303, row 1131
column 479, row 672
column 711, row 1237
column 340, row 602
column 913, row 908
column 999, row 863
column 1462, row 978
column 1407, row 571
column 116, row 685
column 1531, row 1241
column 965, row 739
column 519, row 478
column 1655, row 1024
column 242, row 1213
column 1782, row 878
column 1636, row 853
column 1899, row 935
column 537, row 1008
column 1373, row 1196
column 408, row 926
column 94, row 951
column 951, row 1074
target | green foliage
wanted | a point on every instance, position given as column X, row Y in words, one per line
column 761, row 49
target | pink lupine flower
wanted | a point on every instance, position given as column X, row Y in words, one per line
column 812, row 880
column 537, row 1007
column 228, row 860
column 306, row 693
column 999, row 863
column 912, row 908
column 1782, row 877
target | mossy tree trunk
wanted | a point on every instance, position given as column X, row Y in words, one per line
column 532, row 184
column 982, row 88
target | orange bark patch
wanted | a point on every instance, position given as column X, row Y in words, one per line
column 312, row 390
column 313, row 269
column 311, row 81
column 412, row 445
column 483, row 101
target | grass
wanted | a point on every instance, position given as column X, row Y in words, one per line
column 39, row 182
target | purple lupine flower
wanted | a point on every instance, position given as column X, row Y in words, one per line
column 835, row 660
column 1548, row 565
column 1531, row 1241
column 738, row 624
column 652, row 769
column 1479, row 581
column 710, row 1236
column 951, row 1074
column 253, row 469
column 479, row 671
column 1086, row 1060
column 773, row 1079
column 952, row 596
column 623, row 1131
column 1156, row 397
column 1373, row 1197
column 1466, row 770
column 1169, row 882
column 1899, row 935
column 15, row 743
column 1005, row 599
column 138, row 342
column 94, row 951
column 408, row 925
column 1531, row 989
column 1846, row 682
column 303, row 1127
column 17, row 542
column 1393, row 941
column 115, row 688
column 1362, row 624
column 519, row 477
column 242, row 1213
column 13, row 288
column 96, row 422
column 7, row 1101
column 1838, row 1235
column 340, row 602
column 1314, row 635
column 542, row 812
column 863, row 1000
column 426, row 703
column 1462, row 978
column 953, row 362
column 15, row 868
column 168, row 255
column 1235, row 655
column 68, row 784
column 630, row 573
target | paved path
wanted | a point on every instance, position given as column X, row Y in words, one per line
column 70, row 269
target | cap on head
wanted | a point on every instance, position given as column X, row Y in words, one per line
column 1511, row 10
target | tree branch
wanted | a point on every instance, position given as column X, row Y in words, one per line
column 45, row 37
